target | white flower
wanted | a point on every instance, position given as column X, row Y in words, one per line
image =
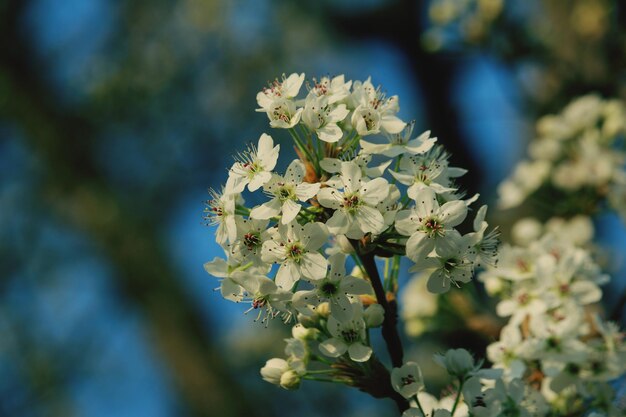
column 295, row 247
column 251, row 234
column 283, row 114
column 523, row 302
column 346, row 336
column 459, row 363
column 337, row 288
column 451, row 265
column 334, row 166
column 507, row 353
column 334, row 90
column 287, row 88
column 320, row 117
column 286, row 191
column 484, row 248
column 374, row 315
column 279, row 372
column 407, row 380
column 355, row 206
column 427, row 170
column 401, row 143
column 265, row 296
column 225, row 270
column 220, row 211
column 428, row 224
column 373, row 112
column 254, row 166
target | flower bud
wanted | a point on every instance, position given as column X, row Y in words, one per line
column 374, row 315
column 303, row 333
column 290, row 380
column 323, row 310
column 273, row 370
column 458, row 362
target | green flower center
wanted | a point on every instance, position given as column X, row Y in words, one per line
column 329, row 289
column 295, row 252
column 433, row 227
column 286, row 192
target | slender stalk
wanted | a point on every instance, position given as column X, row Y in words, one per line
column 389, row 330
column 419, row 405
column 458, row 396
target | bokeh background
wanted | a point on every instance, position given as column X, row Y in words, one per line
column 117, row 115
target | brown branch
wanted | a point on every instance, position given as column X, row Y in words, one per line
column 390, row 323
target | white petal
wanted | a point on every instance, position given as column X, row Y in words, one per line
column 426, row 202
column 405, row 179
column 313, row 265
column 359, row 352
column 331, row 165
column 407, row 222
column 287, row 275
column 339, row 223
column 419, row 246
column 272, row 251
column 329, row 197
column 378, row 170
column 453, row 213
column 351, row 176
column 266, row 210
column 373, row 148
column 259, row 180
column 315, row 235
column 230, row 290
column 416, row 146
column 330, row 133
column 392, row 124
column 333, row 347
column 375, row 191
column 218, row 267
column 290, row 211
column 305, row 191
column 370, row 220
column 438, row 283
column 295, row 172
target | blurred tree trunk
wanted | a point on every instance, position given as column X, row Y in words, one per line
column 77, row 192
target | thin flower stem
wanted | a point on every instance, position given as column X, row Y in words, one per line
column 395, row 270
column 301, row 146
column 320, row 371
column 417, row 400
column 458, row 396
column 335, row 380
column 358, row 263
column 321, row 359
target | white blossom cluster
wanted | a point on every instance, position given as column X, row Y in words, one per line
column 479, row 392
column 553, row 340
column 579, row 151
column 286, row 257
